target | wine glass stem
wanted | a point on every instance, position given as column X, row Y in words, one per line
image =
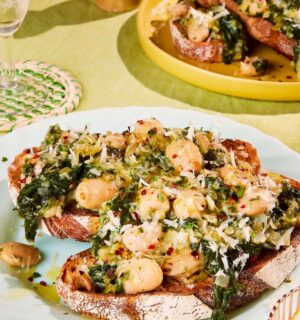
column 7, row 71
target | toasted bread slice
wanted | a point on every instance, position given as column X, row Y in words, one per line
column 75, row 223
column 198, row 41
column 208, row 51
column 80, row 224
column 263, row 31
column 171, row 301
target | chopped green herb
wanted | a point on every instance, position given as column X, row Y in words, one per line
column 233, row 35
column 260, row 66
column 42, row 193
column 222, row 298
column 190, row 223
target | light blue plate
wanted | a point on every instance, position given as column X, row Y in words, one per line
column 18, row 301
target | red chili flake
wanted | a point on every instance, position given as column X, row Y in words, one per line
column 170, row 251
column 23, row 180
column 253, row 259
column 151, row 247
column 35, row 156
column 191, row 170
column 154, row 130
column 195, row 254
column 174, row 156
column 27, row 150
column 143, row 192
column 243, row 206
column 289, row 77
column 223, row 216
column 243, row 169
column 43, row 283
column 136, row 216
column 140, row 122
column 119, row 251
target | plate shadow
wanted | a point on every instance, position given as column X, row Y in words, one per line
column 70, row 12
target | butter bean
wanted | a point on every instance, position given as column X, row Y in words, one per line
column 17, row 254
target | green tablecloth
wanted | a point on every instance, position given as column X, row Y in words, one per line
column 103, row 52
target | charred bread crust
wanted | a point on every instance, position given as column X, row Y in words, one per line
column 244, row 151
column 81, row 296
column 14, row 172
column 208, row 51
column 177, row 305
column 255, row 278
column 75, row 223
column 208, row 3
column 263, row 31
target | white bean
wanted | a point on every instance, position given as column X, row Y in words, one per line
column 140, row 275
column 152, row 203
column 189, row 204
column 18, row 254
column 143, row 238
column 256, row 201
column 183, row 263
column 235, row 177
column 198, row 33
column 254, row 7
column 90, row 193
column 116, row 140
column 143, row 127
column 184, row 155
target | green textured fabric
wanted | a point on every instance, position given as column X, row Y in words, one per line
column 103, row 52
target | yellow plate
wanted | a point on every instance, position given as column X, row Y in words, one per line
column 229, row 85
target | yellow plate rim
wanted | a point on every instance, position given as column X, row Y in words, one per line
column 247, row 88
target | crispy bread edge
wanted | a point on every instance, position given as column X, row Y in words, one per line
column 209, row 51
column 172, row 301
column 157, row 305
column 263, row 31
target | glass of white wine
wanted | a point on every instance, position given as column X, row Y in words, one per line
column 12, row 84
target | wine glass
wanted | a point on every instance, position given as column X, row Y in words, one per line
column 12, row 83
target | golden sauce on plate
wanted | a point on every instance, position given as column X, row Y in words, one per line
column 280, row 70
column 43, row 286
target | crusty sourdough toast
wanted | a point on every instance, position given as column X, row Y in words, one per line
column 206, row 51
column 264, row 31
column 259, row 28
column 80, row 224
column 172, row 301
column 193, row 32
